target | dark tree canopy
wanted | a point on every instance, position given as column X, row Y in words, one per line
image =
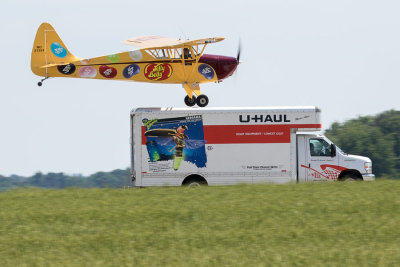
column 113, row 179
column 377, row 137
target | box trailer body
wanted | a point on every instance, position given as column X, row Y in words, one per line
column 221, row 146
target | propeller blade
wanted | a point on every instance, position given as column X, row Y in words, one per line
column 238, row 56
column 239, row 48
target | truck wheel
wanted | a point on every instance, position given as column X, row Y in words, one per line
column 349, row 178
column 190, row 102
column 195, row 182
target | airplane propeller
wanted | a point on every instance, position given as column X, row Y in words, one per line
column 238, row 52
column 238, row 56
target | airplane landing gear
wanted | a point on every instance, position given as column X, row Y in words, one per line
column 41, row 81
column 190, row 102
column 202, row 101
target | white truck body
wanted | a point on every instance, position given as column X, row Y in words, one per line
column 221, row 146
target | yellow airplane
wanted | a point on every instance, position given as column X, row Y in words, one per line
column 157, row 60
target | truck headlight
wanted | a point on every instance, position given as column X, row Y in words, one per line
column 368, row 167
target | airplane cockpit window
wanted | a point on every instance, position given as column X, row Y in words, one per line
column 175, row 53
column 186, row 53
column 159, row 53
column 197, row 49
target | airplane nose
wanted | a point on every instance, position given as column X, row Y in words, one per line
column 224, row 66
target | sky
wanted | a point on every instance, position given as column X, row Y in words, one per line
column 342, row 56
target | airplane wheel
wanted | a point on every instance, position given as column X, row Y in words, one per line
column 39, row 83
column 190, row 102
column 202, row 101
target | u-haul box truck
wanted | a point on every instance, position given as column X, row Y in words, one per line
column 220, row 146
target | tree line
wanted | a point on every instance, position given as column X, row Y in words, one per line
column 376, row 137
column 114, row 179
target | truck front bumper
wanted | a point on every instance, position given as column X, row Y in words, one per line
column 368, row 177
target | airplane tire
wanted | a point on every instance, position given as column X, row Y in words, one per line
column 190, row 102
column 202, row 101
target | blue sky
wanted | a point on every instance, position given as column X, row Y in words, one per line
column 342, row 56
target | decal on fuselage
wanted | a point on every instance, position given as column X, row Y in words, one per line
column 107, row 71
column 135, row 55
column 113, row 58
column 66, row 69
column 158, row 71
column 207, row 71
column 87, row 72
column 131, row 70
column 58, row 50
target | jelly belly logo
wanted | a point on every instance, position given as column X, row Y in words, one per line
column 58, row 50
column 107, row 72
column 158, row 71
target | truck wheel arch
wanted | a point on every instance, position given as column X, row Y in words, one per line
column 194, row 180
column 352, row 173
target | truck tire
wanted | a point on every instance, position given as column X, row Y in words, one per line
column 350, row 178
column 194, row 182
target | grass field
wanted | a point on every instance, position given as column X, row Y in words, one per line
column 325, row 224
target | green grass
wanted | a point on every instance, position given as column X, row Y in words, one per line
column 325, row 224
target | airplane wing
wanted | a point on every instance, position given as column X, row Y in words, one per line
column 150, row 42
column 205, row 40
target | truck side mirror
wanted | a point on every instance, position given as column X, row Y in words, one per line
column 333, row 150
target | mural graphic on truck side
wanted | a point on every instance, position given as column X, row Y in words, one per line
column 178, row 139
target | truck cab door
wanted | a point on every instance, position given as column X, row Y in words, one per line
column 302, row 158
column 322, row 160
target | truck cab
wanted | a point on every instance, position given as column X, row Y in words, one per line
column 319, row 159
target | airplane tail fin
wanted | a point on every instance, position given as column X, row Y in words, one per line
column 48, row 49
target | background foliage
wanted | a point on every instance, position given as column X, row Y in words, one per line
column 376, row 137
column 113, row 179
